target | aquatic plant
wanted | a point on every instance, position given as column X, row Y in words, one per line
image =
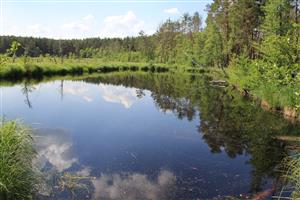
column 18, row 176
column 293, row 175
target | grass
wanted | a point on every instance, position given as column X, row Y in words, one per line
column 292, row 167
column 277, row 96
column 278, row 93
column 17, row 174
column 295, row 177
column 37, row 67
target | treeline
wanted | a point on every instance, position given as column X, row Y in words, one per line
column 265, row 30
column 260, row 29
column 157, row 48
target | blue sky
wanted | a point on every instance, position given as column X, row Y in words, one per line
column 91, row 18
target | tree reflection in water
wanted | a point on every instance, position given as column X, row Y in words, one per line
column 228, row 122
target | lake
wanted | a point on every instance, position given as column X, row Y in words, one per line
column 148, row 136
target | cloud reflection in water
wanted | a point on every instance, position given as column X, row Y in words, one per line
column 113, row 94
column 81, row 91
column 118, row 94
column 54, row 146
column 135, row 186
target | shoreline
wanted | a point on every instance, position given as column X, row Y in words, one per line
column 37, row 70
column 17, row 71
column 288, row 113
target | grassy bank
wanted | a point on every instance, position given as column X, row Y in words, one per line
column 272, row 86
column 17, row 174
column 37, row 67
column 277, row 90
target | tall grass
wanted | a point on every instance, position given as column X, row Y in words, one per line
column 293, row 175
column 37, row 67
column 17, row 174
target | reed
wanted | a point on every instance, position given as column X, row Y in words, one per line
column 18, row 176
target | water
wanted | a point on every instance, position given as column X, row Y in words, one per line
column 148, row 136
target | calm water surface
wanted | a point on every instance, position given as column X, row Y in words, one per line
column 148, row 136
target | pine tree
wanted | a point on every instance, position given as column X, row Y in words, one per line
column 279, row 45
column 212, row 51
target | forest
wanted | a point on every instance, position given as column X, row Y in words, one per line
column 254, row 30
column 253, row 45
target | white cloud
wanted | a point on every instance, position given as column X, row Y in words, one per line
column 172, row 11
column 122, row 25
column 72, row 29
column 88, row 18
column 118, row 94
column 135, row 186
column 83, row 24
column 36, row 30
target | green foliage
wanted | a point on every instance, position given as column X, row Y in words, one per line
column 212, row 51
column 277, row 17
column 13, row 49
column 17, row 173
column 3, row 60
column 278, row 50
column 46, row 66
column 274, row 75
column 243, row 73
column 278, row 86
column 280, row 44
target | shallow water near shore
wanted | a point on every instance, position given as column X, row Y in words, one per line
column 149, row 136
